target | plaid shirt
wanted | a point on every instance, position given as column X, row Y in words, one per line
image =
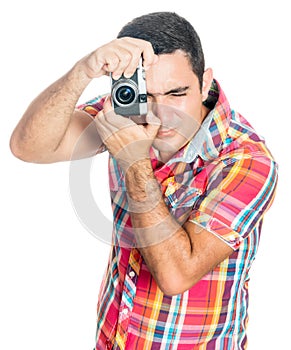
column 224, row 179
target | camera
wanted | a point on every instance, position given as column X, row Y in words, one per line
column 129, row 95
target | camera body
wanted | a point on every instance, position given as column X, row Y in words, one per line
column 129, row 95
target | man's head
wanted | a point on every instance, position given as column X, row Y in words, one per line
column 168, row 32
column 177, row 83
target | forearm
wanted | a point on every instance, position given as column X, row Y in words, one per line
column 162, row 241
column 46, row 120
column 48, row 131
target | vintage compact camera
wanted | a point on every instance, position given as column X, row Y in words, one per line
column 129, row 95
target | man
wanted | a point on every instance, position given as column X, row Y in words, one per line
column 189, row 189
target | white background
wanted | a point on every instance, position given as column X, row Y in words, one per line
column 50, row 265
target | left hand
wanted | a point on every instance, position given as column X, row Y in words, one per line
column 126, row 141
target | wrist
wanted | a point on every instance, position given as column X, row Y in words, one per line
column 137, row 175
column 78, row 73
column 143, row 190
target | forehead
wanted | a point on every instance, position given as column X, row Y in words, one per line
column 171, row 71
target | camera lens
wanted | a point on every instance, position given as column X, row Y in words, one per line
column 125, row 95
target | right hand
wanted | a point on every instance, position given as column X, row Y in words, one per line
column 125, row 140
column 120, row 56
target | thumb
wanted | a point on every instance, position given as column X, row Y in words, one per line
column 153, row 124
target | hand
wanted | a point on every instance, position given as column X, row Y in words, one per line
column 126, row 141
column 120, row 56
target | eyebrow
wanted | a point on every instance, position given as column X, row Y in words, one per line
column 172, row 91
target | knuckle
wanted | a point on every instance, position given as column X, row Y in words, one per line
column 112, row 60
column 136, row 51
column 125, row 38
column 127, row 56
column 148, row 44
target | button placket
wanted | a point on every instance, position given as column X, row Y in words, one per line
column 128, row 295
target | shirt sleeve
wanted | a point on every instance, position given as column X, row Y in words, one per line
column 93, row 106
column 239, row 190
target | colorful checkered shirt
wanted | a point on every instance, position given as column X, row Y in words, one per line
column 224, row 179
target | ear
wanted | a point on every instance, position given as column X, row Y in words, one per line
column 207, row 81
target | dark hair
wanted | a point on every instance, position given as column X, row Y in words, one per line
column 168, row 32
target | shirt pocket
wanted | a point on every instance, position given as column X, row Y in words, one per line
column 178, row 195
column 180, row 200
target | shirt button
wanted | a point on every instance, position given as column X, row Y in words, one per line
column 131, row 274
column 232, row 238
column 125, row 311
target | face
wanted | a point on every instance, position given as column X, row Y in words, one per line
column 175, row 97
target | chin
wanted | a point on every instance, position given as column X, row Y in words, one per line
column 167, row 145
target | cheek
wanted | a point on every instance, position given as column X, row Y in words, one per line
column 178, row 112
column 191, row 113
column 190, row 105
column 193, row 105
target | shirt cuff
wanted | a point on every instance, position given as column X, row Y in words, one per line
column 218, row 228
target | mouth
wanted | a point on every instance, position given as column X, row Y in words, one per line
column 165, row 133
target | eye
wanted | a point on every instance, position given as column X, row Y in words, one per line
column 178, row 95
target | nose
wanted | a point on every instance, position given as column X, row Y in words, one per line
column 166, row 113
column 159, row 109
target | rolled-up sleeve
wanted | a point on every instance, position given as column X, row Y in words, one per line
column 240, row 189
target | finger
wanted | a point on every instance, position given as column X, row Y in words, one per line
column 138, row 48
column 131, row 68
column 103, row 60
column 93, row 66
column 104, row 128
column 107, row 105
column 136, row 53
column 152, row 119
column 129, row 54
column 101, row 125
column 115, row 120
column 149, row 57
column 125, row 59
column 153, row 125
column 111, row 63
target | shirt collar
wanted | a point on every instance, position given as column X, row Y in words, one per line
column 208, row 141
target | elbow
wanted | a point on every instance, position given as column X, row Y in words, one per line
column 172, row 289
column 175, row 284
column 16, row 149
column 172, row 292
column 20, row 152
